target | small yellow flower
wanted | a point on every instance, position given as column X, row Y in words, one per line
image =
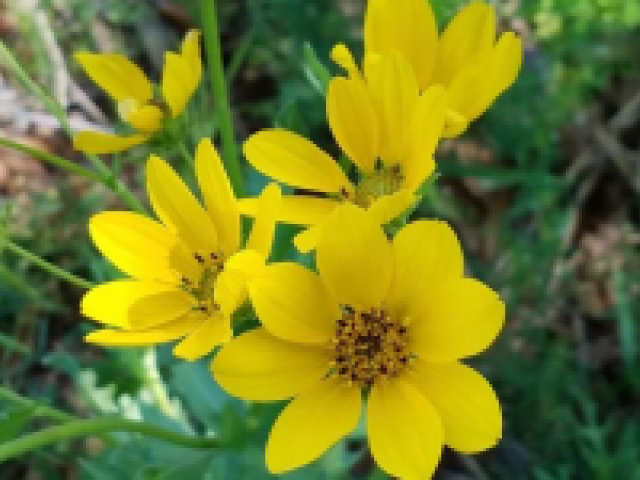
column 465, row 58
column 392, row 320
column 188, row 271
column 386, row 127
column 137, row 105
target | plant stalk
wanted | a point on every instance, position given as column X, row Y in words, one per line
column 104, row 174
column 49, row 267
column 42, row 410
column 80, row 428
column 219, row 87
column 52, row 159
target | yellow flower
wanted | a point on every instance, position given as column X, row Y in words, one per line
column 188, row 271
column 386, row 127
column 137, row 105
column 465, row 58
column 391, row 319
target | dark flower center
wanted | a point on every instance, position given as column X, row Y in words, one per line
column 369, row 345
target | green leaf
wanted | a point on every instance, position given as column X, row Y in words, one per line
column 200, row 392
column 624, row 315
column 315, row 71
column 15, row 421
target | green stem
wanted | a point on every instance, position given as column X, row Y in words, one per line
column 41, row 411
column 127, row 196
column 219, row 86
column 59, row 112
column 11, row 344
column 186, row 156
column 52, row 159
column 50, row 103
column 79, row 428
column 49, row 267
column 44, row 411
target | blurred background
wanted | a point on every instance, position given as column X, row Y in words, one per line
column 543, row 191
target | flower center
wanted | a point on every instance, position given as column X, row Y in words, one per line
column 203, row 289
column 381, row 182
column 369, row 345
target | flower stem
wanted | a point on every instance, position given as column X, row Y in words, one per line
column 42, row 410
column 49, row 267
column 219, row 87
column 51, row 104
column 52, row 159
column 79, row 428
column 186, row 156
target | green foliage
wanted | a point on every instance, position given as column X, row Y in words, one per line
column 569, row 414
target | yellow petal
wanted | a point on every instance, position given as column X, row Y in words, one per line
column 135, row 244
column 109, row 303
column 212, row 332
column 308, row 239
column 102, row 143
column 425, row 131
column 407, row 27
column 459, row 319
column 257, row 366
column 141, row 338
column 352, row 119
column 178, row 208
column 231, row 284
column 218, row 196
column 159, row 308
column 296, row 209
column 395, row 92
column 466, row 403
column 293, row 304
column 470, row 32
column 230, row 291
column 502, row 67
column 389, row 207
column 247, row 262
column 294, row 160
column 182, row 259
column 116, row 75
column 455, row 124
column 354, row 258
column 182, row 73
column 405, row 431
column 427, row 254
column 147, row 118
column 341, row 54
column 311, row 424
column 264, row 225
column 190, row 51
column 484, row 78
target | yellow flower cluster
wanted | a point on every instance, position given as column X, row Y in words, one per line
column 382, row 321
column 137, row 103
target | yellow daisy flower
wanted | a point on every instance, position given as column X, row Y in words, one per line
column 466, row 58
column 392, row 320
column 127, row 84
column 187, row 271
column 386, row 127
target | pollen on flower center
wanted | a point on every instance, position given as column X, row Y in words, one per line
column 203, row 289
column 369, row 345
column 382, row 182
